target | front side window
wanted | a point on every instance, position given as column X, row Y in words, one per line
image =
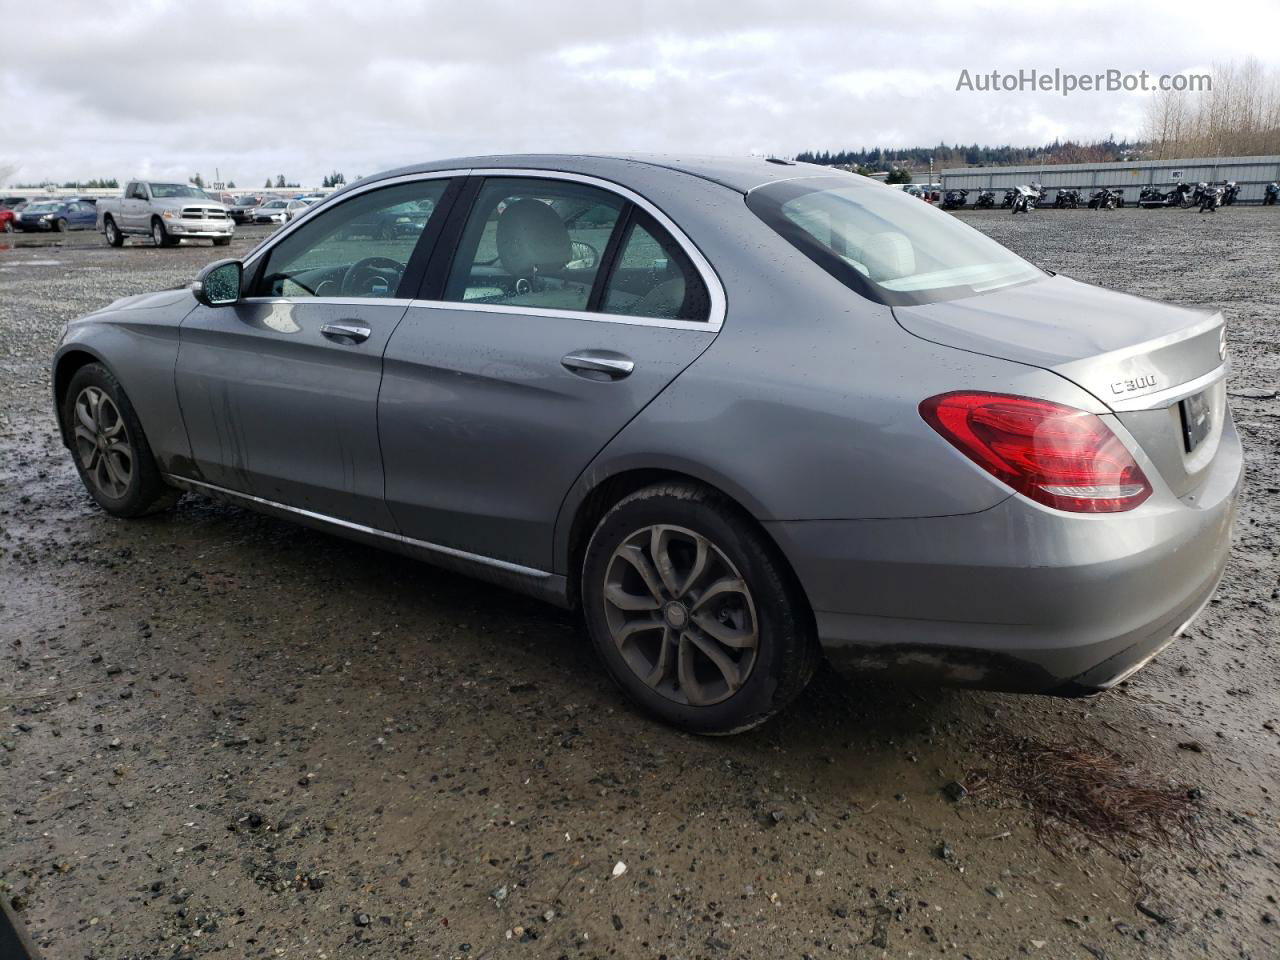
column 885, row 244
column 533, row 243
column 654, row 278
column 359, row 248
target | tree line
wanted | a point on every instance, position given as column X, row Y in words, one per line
column 959, row 155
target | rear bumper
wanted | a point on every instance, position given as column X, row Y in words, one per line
column 1019, row 597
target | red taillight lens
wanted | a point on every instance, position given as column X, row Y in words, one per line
column 1059, row 456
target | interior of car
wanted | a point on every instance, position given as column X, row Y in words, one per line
column 527, row 243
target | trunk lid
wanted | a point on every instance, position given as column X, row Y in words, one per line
column 1159, row 368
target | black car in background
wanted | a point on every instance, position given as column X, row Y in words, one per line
column 242, row 209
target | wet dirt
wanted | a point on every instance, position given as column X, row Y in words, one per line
column 224, row 735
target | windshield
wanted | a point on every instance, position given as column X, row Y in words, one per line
column 45, row 207
column 166, row 191
column 884, row 243
column 245, row 201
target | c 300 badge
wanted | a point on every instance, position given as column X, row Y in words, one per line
column 1136, row 383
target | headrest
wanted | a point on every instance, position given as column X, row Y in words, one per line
column 532, row 238
column 888, row 256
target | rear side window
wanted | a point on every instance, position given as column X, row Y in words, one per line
column 545, row 244
column 533, row 243
column 653, row 277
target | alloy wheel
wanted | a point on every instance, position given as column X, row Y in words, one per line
column 681, row 615
column 102, row 443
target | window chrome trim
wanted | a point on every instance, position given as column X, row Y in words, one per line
column 198, row 486
column 268, row 243
column 705, row 326
column 338, row 301
column 715, row 289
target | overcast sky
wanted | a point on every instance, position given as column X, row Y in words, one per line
column 158, row 88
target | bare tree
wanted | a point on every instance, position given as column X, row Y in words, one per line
column 1238, row 116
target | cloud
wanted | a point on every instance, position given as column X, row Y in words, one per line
column 108, row 88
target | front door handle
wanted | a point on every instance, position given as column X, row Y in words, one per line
column 599, row 364
column 346, row 332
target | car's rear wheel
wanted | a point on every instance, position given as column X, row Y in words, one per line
column 8, row 226
column 694, row 613
column 111, row 452
column 221, row 241
column 109, row 230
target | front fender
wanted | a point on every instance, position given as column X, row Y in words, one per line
column 140, row 348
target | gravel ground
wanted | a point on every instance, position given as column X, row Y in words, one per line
column 222, row 734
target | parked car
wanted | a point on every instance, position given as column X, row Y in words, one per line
column 58, row 216
column 167, row 212
column 273, row 211
column 10, row 203
column 749, row 413
column 242, row 210
column 295, row 208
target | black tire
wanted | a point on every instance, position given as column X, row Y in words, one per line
column 160, row 235
column 786, row 651
column 60, row 225
column 222, row 241
column 109, row 230
column 8, row 226
column 145, row 491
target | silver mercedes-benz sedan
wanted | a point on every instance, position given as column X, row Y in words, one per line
column 741, row 413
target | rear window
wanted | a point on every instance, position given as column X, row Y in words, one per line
column 884, row 243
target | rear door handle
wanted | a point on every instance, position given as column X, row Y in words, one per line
column 599, row 364
column 346, row 332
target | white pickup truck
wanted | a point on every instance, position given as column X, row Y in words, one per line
column 166, row 212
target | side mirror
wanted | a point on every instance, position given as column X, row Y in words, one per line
column 218, row 284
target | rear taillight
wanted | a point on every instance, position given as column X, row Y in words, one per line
column 1059, row 456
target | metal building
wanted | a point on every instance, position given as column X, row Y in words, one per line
column 1251, row 173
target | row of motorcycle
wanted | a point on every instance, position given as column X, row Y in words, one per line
column 1208, row 197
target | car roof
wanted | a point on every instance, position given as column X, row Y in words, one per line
column 741, row 174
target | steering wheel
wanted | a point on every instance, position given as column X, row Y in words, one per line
column 363, row 276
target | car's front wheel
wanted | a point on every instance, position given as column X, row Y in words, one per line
column 694, row 613
column 111, row 452
column 160, row 235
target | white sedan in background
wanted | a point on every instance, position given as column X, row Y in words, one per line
column 273, row 211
